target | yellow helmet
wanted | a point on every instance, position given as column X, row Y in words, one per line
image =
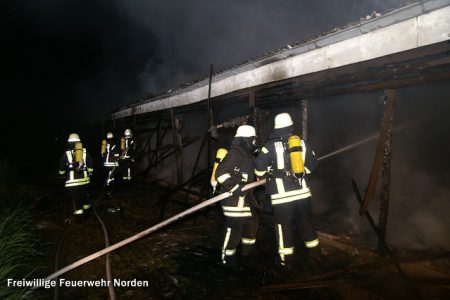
column 109, row 135
column 73, row 138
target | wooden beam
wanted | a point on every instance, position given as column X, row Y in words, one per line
column 305, row 113
column 378, row 159
column 386, row 174
column 177, row 146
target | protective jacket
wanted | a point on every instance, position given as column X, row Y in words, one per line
column 128, row 151
column 282, row 185
column 236, row 169
column 111, row 155
column 77, row 173
column 127, row 158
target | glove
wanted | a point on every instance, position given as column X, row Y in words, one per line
column 258, row 206
column 238, row 191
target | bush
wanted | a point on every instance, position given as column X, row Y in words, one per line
column 17, row 250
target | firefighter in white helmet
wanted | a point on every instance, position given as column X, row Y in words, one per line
column 127, row 148
column 285, row 160
column 110, row 156
column 241, row 221
column 76, row 165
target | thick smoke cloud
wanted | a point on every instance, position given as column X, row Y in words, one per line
column 71, row 60
column 420, row 193
column 193, row 34
column 69, row 63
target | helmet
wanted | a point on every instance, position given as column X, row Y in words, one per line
column 245, row 131
column 283, row 120
column 109, row 135
column 73, row 137
column 128, row 133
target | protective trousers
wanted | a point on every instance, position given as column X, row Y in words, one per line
column 126, row 165
column 109, row 181
column 286, row 215
column 79, row 196
column 239, row 230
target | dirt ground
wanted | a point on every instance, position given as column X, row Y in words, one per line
column 182, row 261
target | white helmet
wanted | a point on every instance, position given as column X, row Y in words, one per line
column 128, row 133
column 109, row 135
column 245, row 131
column 283, row 120
column 73, row 137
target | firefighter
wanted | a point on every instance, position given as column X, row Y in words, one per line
column 241, row 221
column 76, row 165
column 286, row 167
column 110, row 156
column 127, row 147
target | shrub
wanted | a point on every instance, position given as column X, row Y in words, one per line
column 17, row 250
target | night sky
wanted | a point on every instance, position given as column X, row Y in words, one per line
column 67, row 64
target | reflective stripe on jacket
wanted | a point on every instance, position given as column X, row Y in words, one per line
column 282, row 185
column 75, row 174
column 236, row 168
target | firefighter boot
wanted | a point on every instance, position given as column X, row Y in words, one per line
column 313, row 259
column 230, row 264
column 248, row 250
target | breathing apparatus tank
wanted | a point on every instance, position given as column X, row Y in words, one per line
column 220, row 155
column 79, row 153
column 103, row 149
column 122, row 143
column 296, row 156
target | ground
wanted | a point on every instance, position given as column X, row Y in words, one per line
column 182, row 260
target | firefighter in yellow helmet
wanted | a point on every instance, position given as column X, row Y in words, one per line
column 241, row 220
column 127, row 147
column 285, row 159
column 76, row 165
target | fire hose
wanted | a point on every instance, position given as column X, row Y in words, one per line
column 185, row 213
column 149, row 230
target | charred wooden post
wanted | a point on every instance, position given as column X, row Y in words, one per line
column 208, row 117
column 158, row 134
column 176, row 125
column 304, row 105
column 197, row 159
column 159, row 149
column 147, row 146
column 251, row 98
column 377, row 161
column 375, row 228
column 199, row 153
column 255, row 117
column 209, row 124
column 386, row 171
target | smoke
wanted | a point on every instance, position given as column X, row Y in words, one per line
column 191, row 35
column 69, row 63
column 420, row 185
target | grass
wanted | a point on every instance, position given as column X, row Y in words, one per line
column 17, row 250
